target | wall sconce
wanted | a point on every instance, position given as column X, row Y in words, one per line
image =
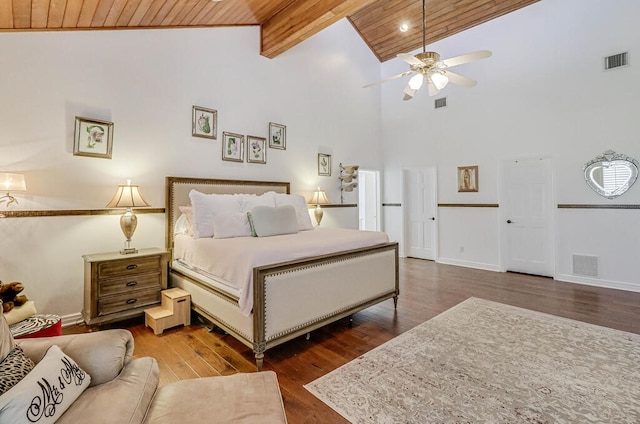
column 11, row 182
column 319, row 198
column 128, row 196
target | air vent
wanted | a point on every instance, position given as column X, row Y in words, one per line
column 442, row 102
column 586, row 266
column 616, row 61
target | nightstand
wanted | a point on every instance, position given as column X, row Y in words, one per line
column 118, row 286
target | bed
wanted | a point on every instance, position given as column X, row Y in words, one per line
column 279, row 297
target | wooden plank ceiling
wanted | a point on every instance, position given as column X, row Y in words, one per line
column 284, row 23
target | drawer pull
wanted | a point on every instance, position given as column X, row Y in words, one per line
column 132, row 283
column 132, row 266
column 131, row 301
column 181, row 300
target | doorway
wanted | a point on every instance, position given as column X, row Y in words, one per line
column 527, row 218
column 368, row 200
column 420, row 230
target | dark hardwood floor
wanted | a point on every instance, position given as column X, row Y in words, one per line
column 427, row 289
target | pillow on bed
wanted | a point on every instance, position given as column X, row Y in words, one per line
column 232, row 224
column 250, row 201
column 182, row 226
column 205, row 206
column 267, row 221
column 300, row 205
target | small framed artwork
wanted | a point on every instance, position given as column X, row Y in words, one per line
column 204, row 122
column 277, row 136
column 324, row 165
column 467, row 178
column 93, row 138
column 232, row 147
column 256, row 149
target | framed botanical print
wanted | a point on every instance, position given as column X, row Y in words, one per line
column 467, row 178
column 204, row 122
column 93, row 138
column 256, row 149
column 232, row 147
column 324, row 165
column 277, row 136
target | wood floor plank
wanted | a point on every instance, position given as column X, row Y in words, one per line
column 426, row 290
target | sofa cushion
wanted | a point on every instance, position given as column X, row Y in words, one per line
column 14, row 368
column 46, row 392
column 238, row 398
column 125, row 399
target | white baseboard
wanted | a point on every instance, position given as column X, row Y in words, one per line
column 596, row 282
column 72, row 319
column 467, row 264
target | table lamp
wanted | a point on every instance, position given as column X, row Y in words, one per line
column 319, row 198
column 11, row 182
column 128, row 196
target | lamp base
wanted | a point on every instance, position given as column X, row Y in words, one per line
column 128, row 250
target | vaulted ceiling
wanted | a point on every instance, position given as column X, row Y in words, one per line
column 284, row 23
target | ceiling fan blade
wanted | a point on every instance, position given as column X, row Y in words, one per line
column 408, row 93
column 410, row 59
column 432, row 88
column 404, row 74
column 460, row 80
column 466, row 58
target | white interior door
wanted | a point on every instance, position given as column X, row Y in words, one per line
column 420, row 215
column 368, row 204
column 528, row 216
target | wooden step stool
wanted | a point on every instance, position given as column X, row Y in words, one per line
column 175, row 310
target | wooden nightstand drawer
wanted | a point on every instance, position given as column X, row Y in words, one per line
column 129, row 284
column 113, row 304
column 129, row 266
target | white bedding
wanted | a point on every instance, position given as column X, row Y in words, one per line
column 233, row 260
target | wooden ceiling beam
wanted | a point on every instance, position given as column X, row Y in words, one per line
column 302, row 19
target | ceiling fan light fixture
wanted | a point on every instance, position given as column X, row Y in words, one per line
column 439, row 80
column 409, row 92
column 416, row 81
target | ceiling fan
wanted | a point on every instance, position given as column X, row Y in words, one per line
column 427, row 67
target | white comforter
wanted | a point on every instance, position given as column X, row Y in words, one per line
column 233, row 259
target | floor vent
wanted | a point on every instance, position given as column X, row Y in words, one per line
column 442, row 102
column 586, row 266
column 616, row 61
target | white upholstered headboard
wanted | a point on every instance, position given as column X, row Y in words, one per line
column 178, row 189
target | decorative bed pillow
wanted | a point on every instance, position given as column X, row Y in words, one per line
column 6, row 339
column 14, row 368
column 181, row 226
column 228, row 225
column 205, row 206
column 187, row 212
column 302, row 210
column 267, row 221
column 250, row 201
column 46, row 392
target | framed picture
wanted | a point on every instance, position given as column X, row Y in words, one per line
column 324, row 165
column 204, row 122
column 467, row 178
column 93, row 138
column 277, row 136
column 232, row 147
column 256, row 149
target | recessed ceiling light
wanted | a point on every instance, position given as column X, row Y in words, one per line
column 404, row 27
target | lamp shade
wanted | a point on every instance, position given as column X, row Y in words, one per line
column 127, row 196
column 319, row 197
column 12, row 182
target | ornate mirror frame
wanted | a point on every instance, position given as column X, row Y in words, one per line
column 611, row 174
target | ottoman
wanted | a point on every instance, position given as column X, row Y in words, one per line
column 238, row 398
column 40, row 325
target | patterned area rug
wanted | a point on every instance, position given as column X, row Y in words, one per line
column 485, row 362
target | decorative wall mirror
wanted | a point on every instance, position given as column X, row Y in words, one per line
column 611, row 174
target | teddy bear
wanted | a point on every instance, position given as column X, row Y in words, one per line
column 10, row 297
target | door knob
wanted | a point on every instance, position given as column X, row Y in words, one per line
column 509, row 221
column 433, row 218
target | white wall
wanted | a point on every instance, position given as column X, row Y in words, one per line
column 542, row 93
column 146, row 83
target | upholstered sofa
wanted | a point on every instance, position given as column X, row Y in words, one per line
column 125, row 390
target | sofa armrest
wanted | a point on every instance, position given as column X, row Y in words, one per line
column 101, row 354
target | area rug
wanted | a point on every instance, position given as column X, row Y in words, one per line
column 485, row 362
